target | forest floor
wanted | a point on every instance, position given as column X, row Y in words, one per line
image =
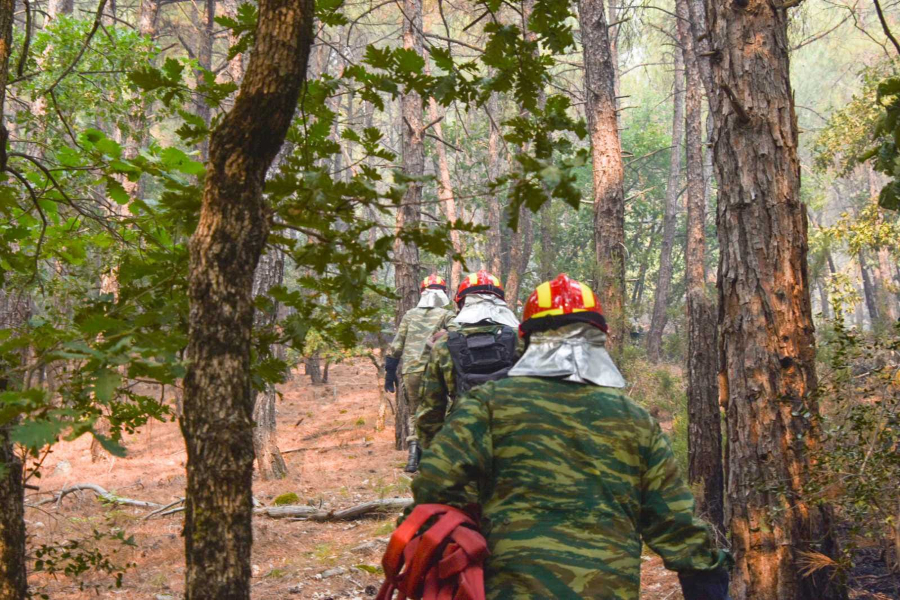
column 344, row 461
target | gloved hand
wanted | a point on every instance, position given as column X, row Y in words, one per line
column 390, row 373
column 704, row 585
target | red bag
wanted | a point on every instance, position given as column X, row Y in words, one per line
column 444, row 563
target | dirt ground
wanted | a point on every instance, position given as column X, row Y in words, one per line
column 336, row 459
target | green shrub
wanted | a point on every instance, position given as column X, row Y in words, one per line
column 287, row 499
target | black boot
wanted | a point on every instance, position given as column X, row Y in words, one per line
column 415, row 453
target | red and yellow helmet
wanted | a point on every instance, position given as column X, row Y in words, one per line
column 481, row 282
column 433, row 282
column 561, row 302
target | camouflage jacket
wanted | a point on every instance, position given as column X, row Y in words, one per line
column 439, row 385
column 571, row 478
column 416, row 328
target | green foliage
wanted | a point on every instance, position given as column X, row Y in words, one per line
column 74, row 558
column 286, row 499
column 857, row 462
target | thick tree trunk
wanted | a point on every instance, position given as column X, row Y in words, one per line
column 269, row 463
column 495, row 231
column 705, row 471
column 225, row 248
column 147, row 18
column 608, row 168
column 406, row 256
column 445, row 196
column 673, row 185
column 13, row 574
column 766, row 344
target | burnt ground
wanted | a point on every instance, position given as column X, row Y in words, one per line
column 336, row 458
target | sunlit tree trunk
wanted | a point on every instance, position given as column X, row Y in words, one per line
column 217, row 423
column 705, row 470
column 520, row 244
column 406, row 256
column 766, row 344
column 608, row 168
column 445, row 194
column 673, row 189
column 495, row 231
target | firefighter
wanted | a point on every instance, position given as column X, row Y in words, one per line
column 417, row 326
column 482, row 347
column 569, row 476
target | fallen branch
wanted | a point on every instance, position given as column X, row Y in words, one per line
column 101, row 493
column 311, row 513
column 326, row 448
column 164, row 508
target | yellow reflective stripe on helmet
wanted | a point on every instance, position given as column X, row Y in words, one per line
column 587, row 296
column 495, row 281
column 473, row 279
column 544, row 296
column 547, row 313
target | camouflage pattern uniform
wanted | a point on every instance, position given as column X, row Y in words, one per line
column 571, row 478
column 439, row 385
column 410, row 344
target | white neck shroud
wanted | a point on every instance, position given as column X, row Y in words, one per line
column 574, row 352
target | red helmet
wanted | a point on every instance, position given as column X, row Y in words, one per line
column 433, row 282
column 481, row 282
column 561, row 302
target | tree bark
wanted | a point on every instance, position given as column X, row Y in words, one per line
column 673, row 185
column 868, row 289
column 495, row 231
column 269, row 462
column 406, row 255
column 608, row 168
column 520, row 244
column 147, row 18
column 206, row 29
column 445, row 195
column 13, row 574
column 705, row 471
column 766, row 346
column 224, row 251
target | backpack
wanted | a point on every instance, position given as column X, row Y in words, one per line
column 481, row 357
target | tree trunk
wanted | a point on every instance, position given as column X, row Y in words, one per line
column 520, row 244
column 406, row 256
column 608, row 169
column 547, row 249
column 868, row 289
column 888, row 299
column 673, row 185
column 206, row 29
column 59, row 7
column 224, row 250
column 495, row 231
column 705, row 471
column 766, row 344
column 147, row 18
column 13, row 574
column 445, row 196
column 269, row 463
column 823, row 299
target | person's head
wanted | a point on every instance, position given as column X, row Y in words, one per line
column 433, row 282
column 481, row 282
column 561, row 302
